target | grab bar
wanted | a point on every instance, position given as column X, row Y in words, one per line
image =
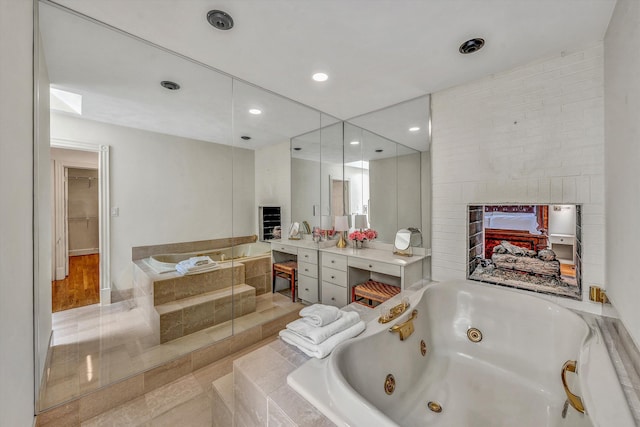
column 405, row 329
column 575, row 401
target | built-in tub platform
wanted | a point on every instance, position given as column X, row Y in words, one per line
column 177, row 305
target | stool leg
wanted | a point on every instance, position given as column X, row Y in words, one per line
column 292, row 279
column 273, row 279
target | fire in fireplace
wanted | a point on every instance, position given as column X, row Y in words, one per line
column 532, row 247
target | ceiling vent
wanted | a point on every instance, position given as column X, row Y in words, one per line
column 220, row 20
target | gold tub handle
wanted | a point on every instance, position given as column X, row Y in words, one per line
column 405, row 329
column 575, row 401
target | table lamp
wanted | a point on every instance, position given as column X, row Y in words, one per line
column 360, row 222
column 342, row 225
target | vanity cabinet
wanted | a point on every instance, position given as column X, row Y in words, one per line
column 335, row 289
column 307, row 267
column 341, row 269
column 308, row 275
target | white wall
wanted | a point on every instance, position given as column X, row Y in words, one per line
column 168, row 189
column 622, row 161
column 16, row 244
column 305, row 191
column 273, row 181
column 533, row 134
column 395, row 195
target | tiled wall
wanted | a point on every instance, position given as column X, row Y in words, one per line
column 533, row 134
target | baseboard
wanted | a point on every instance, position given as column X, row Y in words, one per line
column 60, row 273
column 105, row 296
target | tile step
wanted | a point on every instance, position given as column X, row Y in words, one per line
column 223, row 386
column 231, row 291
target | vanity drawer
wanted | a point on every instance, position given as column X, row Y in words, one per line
column 334, row 295
column 308, row 255
column 379, row 267
column 339, row 262
column 337, row 277
column 308, row 288
column 279, row 247
column 307, row 269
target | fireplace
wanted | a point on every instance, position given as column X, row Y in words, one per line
column 531, row 247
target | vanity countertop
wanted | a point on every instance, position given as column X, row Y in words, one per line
column 376, row 255
column 305, row 243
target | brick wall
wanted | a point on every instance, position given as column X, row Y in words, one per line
column 533, row 134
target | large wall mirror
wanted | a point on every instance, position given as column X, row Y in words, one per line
column 365, row 167
column 188, row 167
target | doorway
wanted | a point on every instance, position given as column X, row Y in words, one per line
column 78, row 216
column 340, row 196
column 80, row 199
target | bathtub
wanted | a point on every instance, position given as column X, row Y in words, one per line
column 165, row 263
column 511, row 377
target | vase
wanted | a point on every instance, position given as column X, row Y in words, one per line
column 359, row 244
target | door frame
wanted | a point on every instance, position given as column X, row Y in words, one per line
column 103, row 208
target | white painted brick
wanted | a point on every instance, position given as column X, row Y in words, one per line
column 569, row 191
column 556, row 188
column 554, row 153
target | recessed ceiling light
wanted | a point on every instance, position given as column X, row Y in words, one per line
column 255, row 111
column 472, row 45
column 320, row 77
column 169, row 85
column 355, row 142
column 414, row 129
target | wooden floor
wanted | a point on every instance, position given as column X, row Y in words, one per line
column 568, row 270
column 81, row 287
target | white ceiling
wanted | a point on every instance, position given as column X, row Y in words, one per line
column 377, row 53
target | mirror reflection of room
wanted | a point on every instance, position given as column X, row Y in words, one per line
column 533, row 247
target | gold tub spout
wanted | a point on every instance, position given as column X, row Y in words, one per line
column 575, row 401
column 405, row 329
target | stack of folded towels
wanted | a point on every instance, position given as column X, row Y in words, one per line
column 321, row 328
column 197, row 264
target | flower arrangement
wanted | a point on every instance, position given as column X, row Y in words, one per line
column 360, row 236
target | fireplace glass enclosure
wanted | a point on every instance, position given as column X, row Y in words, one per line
column 532, row 247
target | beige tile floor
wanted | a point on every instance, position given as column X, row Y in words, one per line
column 186, row 402
column 94, row 346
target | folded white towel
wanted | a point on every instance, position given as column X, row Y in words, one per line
column 196, row 265
column 319, row 334
column 319, row 314
column 325, row 348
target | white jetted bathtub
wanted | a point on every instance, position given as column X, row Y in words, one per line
column 167, row 262
column 492, row 358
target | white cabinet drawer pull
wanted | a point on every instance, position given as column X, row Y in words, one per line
column 370, row 266
column 333, row 298
column 306, row 269
column 333, row 277
column 306, row 289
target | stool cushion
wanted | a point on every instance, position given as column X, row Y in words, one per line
column 376, row 291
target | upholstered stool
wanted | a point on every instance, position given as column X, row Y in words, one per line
column 373, row 291
column 285, row 270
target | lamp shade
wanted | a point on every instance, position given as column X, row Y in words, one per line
column 325, row 222
column 342, row 223
column 360, row 221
